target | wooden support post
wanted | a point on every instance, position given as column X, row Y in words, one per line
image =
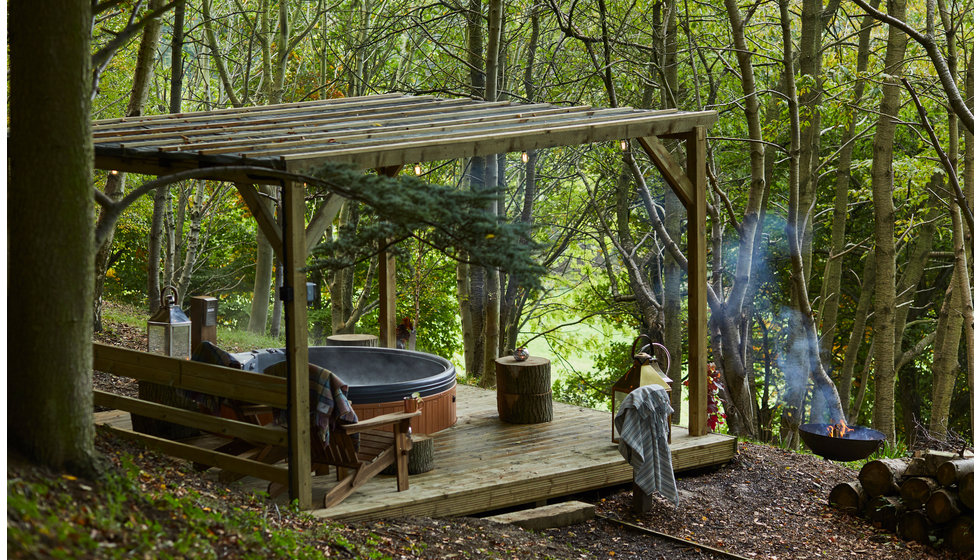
column 387, row 291
column 297, row 351
column 387, row 288
column 697, row 282
column 642, row 502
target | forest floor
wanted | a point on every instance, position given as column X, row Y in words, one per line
column 766, row 503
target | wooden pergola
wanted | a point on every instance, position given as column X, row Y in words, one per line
column 277, row 144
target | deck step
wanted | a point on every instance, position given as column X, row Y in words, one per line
column 548, row 517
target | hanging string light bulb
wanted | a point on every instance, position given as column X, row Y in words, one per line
column 623, row 145
column 418, row 169
column 524, row 157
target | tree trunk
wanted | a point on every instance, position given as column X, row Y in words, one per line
column 966, row 490
column 952, row 472
column 523, row 390
column 465, row 317
column 116, row 182
column 49, row 379
column 949, row 327
column 856, row 339
column 914, row 526
column 162, row 195
column 810, row 359
column 830, row 292
column 264, row 257
column 883, row 512
column 959, row 535
column 884, row 228
column 915, row 490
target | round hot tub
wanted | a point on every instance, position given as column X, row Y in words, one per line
column 380, row 378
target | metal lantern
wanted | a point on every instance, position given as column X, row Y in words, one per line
column 169, row 330
column 644, row 371
column 622, row 387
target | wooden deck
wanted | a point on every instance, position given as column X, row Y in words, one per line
column 483, row 464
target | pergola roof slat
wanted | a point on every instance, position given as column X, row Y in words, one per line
column 281, row 108
column 488, row 125
column 372, row 131
column 309, row 118
column 271, row 130
column 405, row 122
column 475, row 143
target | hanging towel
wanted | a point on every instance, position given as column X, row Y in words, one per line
column 329, row 406
column 642, row 421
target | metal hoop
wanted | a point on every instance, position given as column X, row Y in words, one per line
column 651, row 344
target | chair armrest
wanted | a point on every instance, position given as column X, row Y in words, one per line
column 372, row 423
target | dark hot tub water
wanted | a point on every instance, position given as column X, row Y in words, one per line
column 374, row 375
column 380, row 378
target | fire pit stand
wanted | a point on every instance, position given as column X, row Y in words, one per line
column 856, row 444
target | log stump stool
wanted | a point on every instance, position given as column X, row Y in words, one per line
column 420, row 457
column 524, row 390
column 352, row 340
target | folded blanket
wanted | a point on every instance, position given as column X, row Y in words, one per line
column 329, row 406
column 642, row 421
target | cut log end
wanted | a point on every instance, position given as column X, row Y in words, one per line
column 881, row 477
column 848, row 497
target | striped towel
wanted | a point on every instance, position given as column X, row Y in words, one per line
column 643, row 427
column 329, row 406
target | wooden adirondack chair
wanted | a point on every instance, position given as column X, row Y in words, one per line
column 357, row 463
column 377, row 450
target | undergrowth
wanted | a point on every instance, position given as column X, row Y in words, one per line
column 132, row 512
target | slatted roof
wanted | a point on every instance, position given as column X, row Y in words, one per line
column 371, row 132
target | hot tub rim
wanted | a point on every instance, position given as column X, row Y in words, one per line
column 372, row 394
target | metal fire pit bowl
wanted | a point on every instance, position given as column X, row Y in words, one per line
column 855, row 446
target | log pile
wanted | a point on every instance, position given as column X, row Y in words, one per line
column 928, row 499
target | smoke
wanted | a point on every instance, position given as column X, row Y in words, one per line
column 799, row 361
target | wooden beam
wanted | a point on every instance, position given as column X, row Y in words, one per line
column 387, row 286
column 194, row 376
column 697, row 283
column 387, row 293
column 671, row 171
column 262, row 209
column 524, row 136
column 204, row 456
column 253, row 433
column 297, row 351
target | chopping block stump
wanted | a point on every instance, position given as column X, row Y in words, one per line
column 524, row 390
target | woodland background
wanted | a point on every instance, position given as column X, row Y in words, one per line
column 840, row 188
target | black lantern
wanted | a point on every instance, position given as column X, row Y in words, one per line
column 169, row 330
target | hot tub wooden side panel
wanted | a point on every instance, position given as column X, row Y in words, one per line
column 438, row 411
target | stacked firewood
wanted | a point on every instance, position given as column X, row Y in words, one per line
column 928, row 499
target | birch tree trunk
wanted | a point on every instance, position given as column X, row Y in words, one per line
column 949, row 327
column 116, row 182
column 884, row 229
column 162, row 195
column 264, row 257
column 830, row 292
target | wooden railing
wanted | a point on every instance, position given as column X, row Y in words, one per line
column 204, row 378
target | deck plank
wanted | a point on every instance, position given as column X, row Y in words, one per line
column 483, row 464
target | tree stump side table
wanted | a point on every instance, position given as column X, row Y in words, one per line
column 524, row 390
column 352, row 340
